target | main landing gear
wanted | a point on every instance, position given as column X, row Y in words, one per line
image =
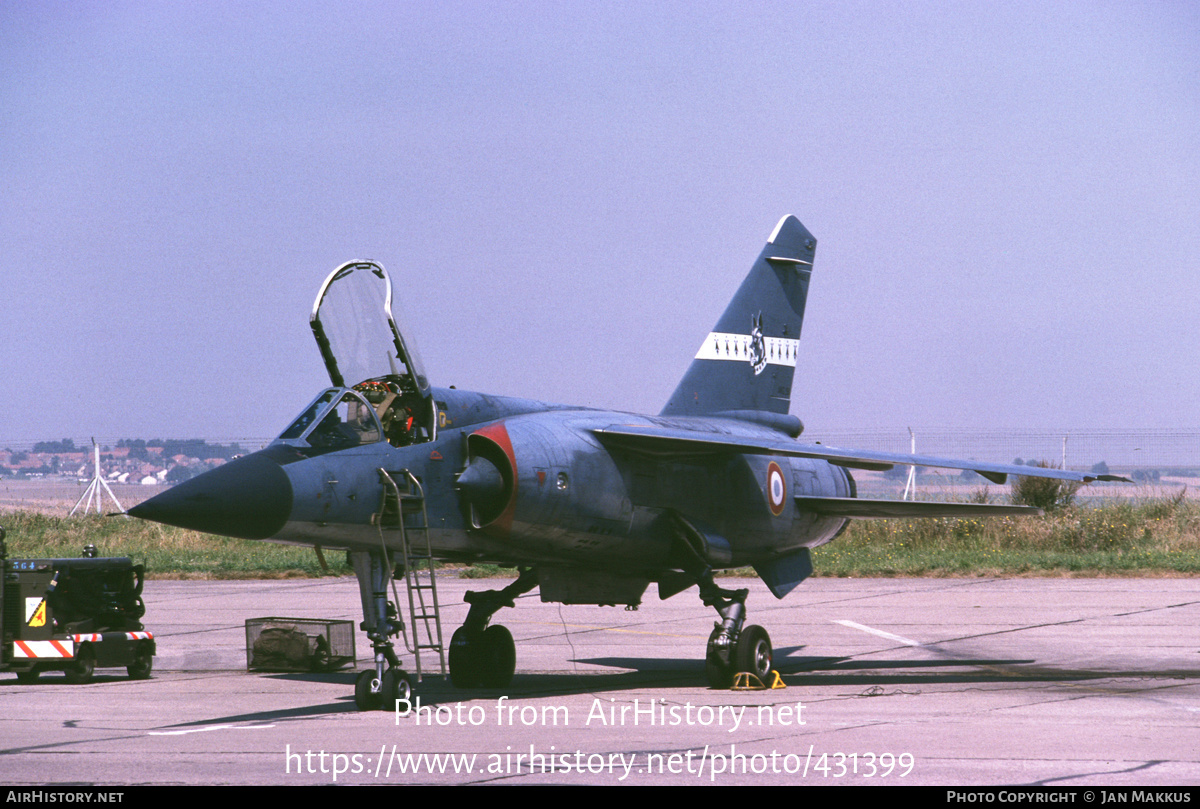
column 382, row 686
column 732, row 648
column 483, row 656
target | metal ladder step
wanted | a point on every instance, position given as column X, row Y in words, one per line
column 420, row 571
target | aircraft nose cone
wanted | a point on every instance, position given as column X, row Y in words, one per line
column 249, row 498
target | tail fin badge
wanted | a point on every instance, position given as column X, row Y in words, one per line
column 758, row 346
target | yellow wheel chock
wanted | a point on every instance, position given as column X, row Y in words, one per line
column 745, row 681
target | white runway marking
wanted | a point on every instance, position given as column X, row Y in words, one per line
column 880, row 633
column 207, row 729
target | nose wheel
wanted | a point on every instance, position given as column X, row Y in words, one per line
column 372, row 693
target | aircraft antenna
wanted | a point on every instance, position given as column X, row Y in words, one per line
column 95, row 490
column 910, row 485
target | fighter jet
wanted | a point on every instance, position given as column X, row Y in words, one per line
column 590, row 506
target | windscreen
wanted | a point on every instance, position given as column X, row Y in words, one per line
column 325, row 426
column 309, row 416
column 350, row 424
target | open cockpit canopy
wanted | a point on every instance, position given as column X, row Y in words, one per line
column 356, row 332
column 363, row 349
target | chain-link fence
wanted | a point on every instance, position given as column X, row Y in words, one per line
column 1123, row 451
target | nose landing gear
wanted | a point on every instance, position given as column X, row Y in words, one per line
column 383, row 685
column 372, row 693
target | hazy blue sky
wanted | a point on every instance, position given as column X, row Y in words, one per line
column 1006, row 198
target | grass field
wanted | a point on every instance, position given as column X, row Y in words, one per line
column 167, row 552
column 1138, row 536
column 1131, row 538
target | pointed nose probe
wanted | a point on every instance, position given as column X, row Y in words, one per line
column 249, row 498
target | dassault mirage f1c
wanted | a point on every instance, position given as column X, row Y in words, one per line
column 590, row 506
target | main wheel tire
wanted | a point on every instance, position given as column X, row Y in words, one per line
column 83, row 667
column 364, row 700
column 498, row 658
column 143, row 663
column 465, row 658
column 717, row 674
column 716, row 671
column 753, row 653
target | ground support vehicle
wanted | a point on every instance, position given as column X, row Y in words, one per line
column 72, row 615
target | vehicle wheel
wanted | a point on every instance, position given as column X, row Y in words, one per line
column 753, row 653
column 498, row 657
column 464, row 658
column 715, row 669
column 27, row 677
column 396, row 686
column 142, row 663
column 81, row 669
column 364, row 700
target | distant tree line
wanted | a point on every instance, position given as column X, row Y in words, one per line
column 191, row 447
column 57, row 447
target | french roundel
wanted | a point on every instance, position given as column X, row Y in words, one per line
column 776, row 488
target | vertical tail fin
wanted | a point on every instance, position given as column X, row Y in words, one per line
column 748, row 360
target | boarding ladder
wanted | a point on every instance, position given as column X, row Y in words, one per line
column 403, row 510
